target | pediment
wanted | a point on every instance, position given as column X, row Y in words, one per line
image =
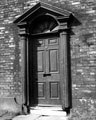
column 42, row 8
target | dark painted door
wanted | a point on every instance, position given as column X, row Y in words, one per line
column 44, row 71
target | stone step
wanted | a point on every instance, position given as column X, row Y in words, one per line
column 52, row 118
column 57, row 111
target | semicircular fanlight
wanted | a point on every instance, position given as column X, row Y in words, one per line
column 43, row 24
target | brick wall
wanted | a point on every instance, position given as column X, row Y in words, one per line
column 83, row 53
column 83, row 49
column 10, row 73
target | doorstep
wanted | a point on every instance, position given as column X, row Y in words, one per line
column 44, row 113
column 48, row 111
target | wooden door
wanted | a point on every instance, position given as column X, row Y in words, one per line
column 44, row 71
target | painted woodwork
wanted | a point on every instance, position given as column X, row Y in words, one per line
column 44, row 70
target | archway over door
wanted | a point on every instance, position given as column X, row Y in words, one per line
column 46, row 31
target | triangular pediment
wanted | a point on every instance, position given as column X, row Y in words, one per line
column 42, row 8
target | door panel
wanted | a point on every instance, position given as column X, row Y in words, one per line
column 44, row 71
column 54, row 86
column 53, row 60
column 40, row 59
column 52, row 41
column 41, row 90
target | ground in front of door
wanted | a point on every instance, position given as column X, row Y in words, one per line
column 43, row 114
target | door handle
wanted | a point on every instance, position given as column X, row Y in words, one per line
column 46, row 74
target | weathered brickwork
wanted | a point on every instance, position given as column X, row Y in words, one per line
column 10, row 53
column 83, row 48
column 83, row 53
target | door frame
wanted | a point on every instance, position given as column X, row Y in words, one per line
column 65, row 73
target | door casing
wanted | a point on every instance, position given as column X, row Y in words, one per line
column 64, row 68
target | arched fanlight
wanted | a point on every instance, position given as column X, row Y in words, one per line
column 43, row 24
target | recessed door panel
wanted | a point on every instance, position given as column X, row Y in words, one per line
column 54, row 90
column 41, row 90
column 40, row 61
column 53, row 57
column 53, row 41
